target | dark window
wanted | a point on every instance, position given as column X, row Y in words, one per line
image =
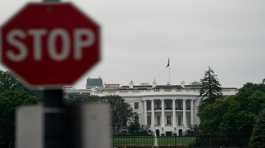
column 188, row 104
column 179, row 105
column 136, row 105
column 157, row 105
column 149, row 120
column 169, row 120
column 168, row 104
column 179, row 118
column 188, row 119
column 148, row 103
column 158, row 120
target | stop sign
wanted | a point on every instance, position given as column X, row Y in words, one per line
column 50, row 44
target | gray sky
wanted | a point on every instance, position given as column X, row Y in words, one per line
column 139, row 36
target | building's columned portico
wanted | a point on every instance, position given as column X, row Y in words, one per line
column 169, row 115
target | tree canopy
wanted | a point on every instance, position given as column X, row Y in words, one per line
column 12, row 95
column 258, row 136
column 233, row 117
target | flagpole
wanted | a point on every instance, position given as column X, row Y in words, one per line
column 169, row 72
column 169, row 75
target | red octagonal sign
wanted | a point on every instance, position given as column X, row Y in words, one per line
column 50, row 44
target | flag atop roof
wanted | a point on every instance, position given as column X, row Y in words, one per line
column 168, row 63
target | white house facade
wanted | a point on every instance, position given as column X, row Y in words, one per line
column 164, row 109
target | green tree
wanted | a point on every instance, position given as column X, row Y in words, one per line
column 12, row 95
column 9, row 101
column 121, row 113
column 210, row 87
column 258, row 136
column 232, row 118
column 211, row 117
column 9, row 82
column 81, row 98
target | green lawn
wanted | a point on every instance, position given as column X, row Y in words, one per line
column 148, row 141
column 133, row 140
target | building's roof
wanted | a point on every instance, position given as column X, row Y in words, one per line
column 164, row 87
column 168, row 87
column 111, row 86
column 197, row 86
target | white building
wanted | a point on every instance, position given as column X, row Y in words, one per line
column 164, row 109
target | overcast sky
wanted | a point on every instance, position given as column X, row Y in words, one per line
column 139, row 36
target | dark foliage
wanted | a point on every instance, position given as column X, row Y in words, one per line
column 258, row 136
column 210, row 87
column 12, row 95
column 232, row 118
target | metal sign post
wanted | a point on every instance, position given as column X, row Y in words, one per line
column 54, row 119
column 54, row 107
column 54, row 116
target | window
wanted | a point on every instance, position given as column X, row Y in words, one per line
column 179, row 118
column 148, row 120
column 157, row 105
column 188, row 119
column 168, row 104
column 178, row 104
column 158, row 119
column 136, row 105
column 169, row 120
column 188, row 104
column 148, row 103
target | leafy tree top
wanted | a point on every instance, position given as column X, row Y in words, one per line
column 210, row 86
column 9, row 83
column 258, row 135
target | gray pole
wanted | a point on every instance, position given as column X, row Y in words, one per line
column 58, row 124
column 55, row 135
column 54, row 126
column 54, row 119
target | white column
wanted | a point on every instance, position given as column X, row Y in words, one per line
column 184, row 114
column 152, row 115
column 163, row 113
column 145, row 113
column 174, row 112
column 192, row 112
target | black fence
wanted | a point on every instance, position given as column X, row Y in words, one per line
column 141, row 141
column 178, row 142
column 223, row 142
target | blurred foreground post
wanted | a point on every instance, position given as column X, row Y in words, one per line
column 54, row 118
column 55, row 131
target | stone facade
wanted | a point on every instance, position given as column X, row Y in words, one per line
column 164, row 109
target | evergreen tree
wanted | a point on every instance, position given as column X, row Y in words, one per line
column 258, row 136
column 210, row 86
